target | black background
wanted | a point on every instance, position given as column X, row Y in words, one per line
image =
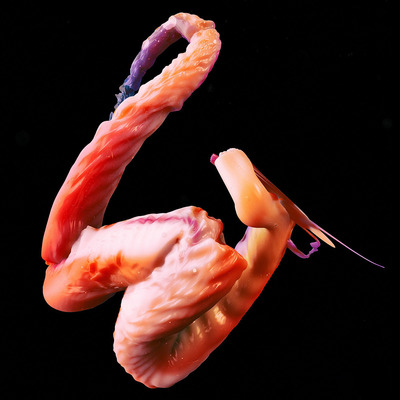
column 303, row 88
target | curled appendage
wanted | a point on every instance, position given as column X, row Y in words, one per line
column 84, row 196
column 179, row 25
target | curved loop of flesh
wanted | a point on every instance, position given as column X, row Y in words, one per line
column 186, row 289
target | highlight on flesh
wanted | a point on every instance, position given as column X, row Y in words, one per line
column 185, row 288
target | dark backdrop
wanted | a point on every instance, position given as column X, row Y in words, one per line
column 303, row 88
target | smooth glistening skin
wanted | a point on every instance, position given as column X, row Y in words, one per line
column 185, row 288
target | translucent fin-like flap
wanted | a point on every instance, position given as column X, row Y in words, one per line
column 301, row 219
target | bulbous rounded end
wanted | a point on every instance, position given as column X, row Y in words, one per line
column 255, row 206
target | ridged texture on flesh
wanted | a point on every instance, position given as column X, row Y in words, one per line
column 159, row 346
column 106, row 260
column 92, row 180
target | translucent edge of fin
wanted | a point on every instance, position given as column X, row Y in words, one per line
column 301, row 219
